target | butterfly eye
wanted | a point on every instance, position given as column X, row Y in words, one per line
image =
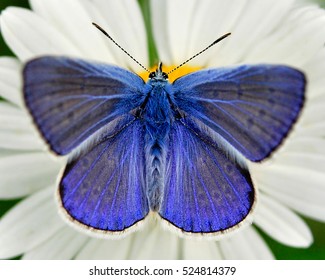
column 165, row 76
column 152, row 75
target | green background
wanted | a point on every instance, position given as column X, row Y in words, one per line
column 316, row 251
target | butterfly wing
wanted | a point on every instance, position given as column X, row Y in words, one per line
column 206, row 191
column 70, row 99
column 104, row 188
column 252, row 107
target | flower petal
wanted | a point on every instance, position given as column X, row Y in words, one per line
column 282, row 224
column 201, row 250
column 5, row 152
column 158, row 20
column 126, row 25
column 304, row 144
column 10, row 80
column 316, row 69
column 221, row 16
column 71, row 18
column 299, row 27
column 245, row 245
column 178, row 28
column 255, row 22
column 28, row 224
column 300, row 189
column 81, row 13
column 302, row 160
column 153, row 243
column 28, row 35
column 97, row 249
column 16, row 130
column 313, row 132
column 313, row 114
column 179, row 23
column 25, row 173
column 63, row 245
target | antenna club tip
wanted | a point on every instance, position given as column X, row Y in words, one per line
column 101, row 29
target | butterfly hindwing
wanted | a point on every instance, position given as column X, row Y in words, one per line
column 70, row 99
column 206, row 191
column 104, row 188
column 251, row 107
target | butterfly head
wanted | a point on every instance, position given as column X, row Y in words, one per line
column 158, row 75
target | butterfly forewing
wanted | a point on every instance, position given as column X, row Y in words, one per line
column 252, row 107
column 70, row 99
column 104, row 188
column 205, row 191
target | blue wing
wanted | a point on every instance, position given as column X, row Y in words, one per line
column 104, row 188
column 70, row 99
column 205, row 190
column 251, row 107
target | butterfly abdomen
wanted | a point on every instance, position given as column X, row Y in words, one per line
column 155, row 160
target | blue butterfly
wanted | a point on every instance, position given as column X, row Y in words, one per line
column 175, row 149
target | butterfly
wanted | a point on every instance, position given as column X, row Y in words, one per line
column 178, row 150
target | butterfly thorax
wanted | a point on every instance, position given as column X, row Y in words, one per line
column 157, row 109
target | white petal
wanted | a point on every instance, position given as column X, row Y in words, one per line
column 299, row 27
column 28, row 224
column 315, row 131
column 125, row 24
column 10, row 80
column 159, row 29
column 78, row 15
column 25, row 173
column 315, row 68
column 245, row 245
column 179, row 23
column 5, row 152
column 201, row 250
column 302, row 160
column 63, row 245
column 74, row 20
column 304, row 144
column 313, row 114
column 215, row 18
column 97, row 249
column 254, row 23
column 311, row 123
column 182, row 30
column 28, row 35
column 301, row 189
column 282, row 224
column 16, row 130
column 154, row 243
column 151, row 242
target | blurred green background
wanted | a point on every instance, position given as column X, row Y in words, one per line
column 316, row 251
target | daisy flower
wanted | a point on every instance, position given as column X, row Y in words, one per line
column 290, row 183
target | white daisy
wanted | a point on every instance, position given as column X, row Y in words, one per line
column 262, row 32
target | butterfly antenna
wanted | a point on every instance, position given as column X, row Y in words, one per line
column 194, row 56
column 107, row 35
